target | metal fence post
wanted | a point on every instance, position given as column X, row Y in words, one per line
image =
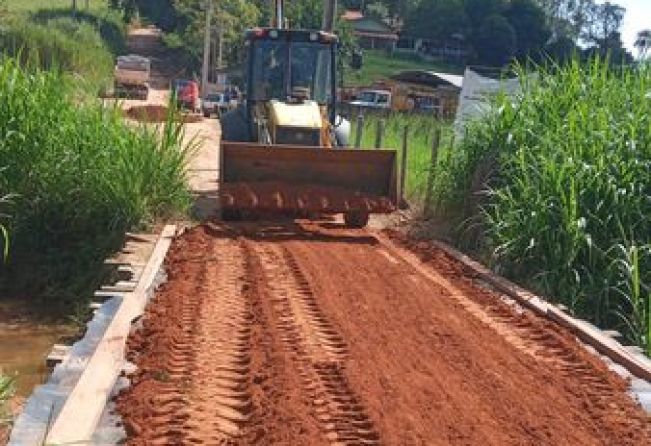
column 360, row 130
column 436, row 142
column 379, row 136
column 402, row 204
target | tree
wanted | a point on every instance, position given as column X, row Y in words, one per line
column 399, row 9
column 643, row 43
column 531, row 30
column 438, row 19
column 306, row 14
column 496, row 41
column 562, row 49
column 566, row 18
column 602, row 21
column 479, row 10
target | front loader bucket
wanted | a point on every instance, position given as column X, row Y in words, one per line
column 294, row 178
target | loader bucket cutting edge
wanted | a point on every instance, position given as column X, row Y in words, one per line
column 294, row 178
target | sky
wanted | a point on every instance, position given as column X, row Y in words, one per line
column 638, row 17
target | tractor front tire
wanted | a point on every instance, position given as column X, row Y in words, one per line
column 356, row 219
column 230, row 214
column 236, row 126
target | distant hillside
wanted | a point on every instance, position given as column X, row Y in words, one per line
column 379, row 65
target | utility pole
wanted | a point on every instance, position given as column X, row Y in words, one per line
column 206, row 50
column 220, row 52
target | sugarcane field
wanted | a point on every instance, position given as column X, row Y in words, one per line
column 322, row 222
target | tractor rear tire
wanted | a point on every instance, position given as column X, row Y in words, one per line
column 356, row 219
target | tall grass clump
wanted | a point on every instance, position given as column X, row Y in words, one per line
column 6, row 393
column 83, row 47
column 559, row 181
column 79, row 178
column 421, row 129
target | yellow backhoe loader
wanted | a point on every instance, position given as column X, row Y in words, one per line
column 286, row 148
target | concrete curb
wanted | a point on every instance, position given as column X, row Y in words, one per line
column 67, row 408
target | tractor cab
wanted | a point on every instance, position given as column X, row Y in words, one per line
column 291, row 86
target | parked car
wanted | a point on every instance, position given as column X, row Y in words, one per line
column 215, row 103
column 187, row 94
column 373, row 99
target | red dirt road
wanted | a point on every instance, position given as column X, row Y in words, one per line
column 312, row 334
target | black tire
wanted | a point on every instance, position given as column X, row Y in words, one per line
column 236, row 126
column 356, row 219
column 206, row 114
column 230, row 214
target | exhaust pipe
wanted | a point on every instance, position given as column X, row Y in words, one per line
column 278, row 20
column 329, row 12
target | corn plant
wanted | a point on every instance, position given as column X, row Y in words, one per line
column 6, row 392
column 633, row 263
column 4, row 234
column 556, row 178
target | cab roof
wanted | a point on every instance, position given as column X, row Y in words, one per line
column 294, row 35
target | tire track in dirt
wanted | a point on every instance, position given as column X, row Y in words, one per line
column 192, row 386
column 544, row 343
column 316, row 347
column 218, row 399
column 542, row 340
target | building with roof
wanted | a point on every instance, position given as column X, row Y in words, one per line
column 427, row 91
column 371, row 33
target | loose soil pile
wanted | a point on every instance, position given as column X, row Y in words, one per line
column 273, row 196
column 312, row 334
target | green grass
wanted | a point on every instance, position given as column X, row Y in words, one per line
column 557, row 187
column 79, row 178
column 380, row 65
column 6, row 392
column 421, row 129
column 83, row 46
column 34, row 5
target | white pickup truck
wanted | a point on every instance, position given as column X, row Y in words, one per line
column 373, row 99
column 131, row 76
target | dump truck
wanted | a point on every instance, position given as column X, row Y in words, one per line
column 131, row 77
column 286, row 147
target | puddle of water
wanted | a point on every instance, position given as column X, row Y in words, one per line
column 24, row 345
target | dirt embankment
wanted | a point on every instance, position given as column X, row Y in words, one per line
column 311, row 334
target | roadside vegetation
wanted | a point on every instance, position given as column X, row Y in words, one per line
column 79, row 177
column 82, row 46
column 73, row 176
column 421, row 133
column 554, row 188
column 6, row 393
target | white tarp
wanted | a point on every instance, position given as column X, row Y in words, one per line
column 476, row 91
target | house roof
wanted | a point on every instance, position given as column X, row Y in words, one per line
column 429, row 78
column 368, row 26
column 352, row 15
